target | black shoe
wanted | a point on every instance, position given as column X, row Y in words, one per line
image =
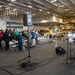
column 20, row 49
column 6, row 49
column 33, row 46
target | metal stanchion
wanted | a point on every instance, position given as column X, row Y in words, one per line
column 56, row 41
column 67, row 50
column 28, row 65
column 70, row 52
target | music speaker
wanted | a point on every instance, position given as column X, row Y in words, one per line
column 27, row 19
column 59, row 50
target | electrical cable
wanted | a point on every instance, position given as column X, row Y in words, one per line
column 42, row 63
column 7, row 71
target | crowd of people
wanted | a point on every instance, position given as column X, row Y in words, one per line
column 8, row 35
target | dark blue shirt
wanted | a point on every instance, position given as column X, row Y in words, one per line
column 33, row 35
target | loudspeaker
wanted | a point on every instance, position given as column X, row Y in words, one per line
column 60, row 50
column 27, row 19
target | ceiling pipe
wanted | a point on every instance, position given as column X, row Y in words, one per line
column 17, row 3
column 23, row 11
column 48, row 7
column 4, row 4
column 20, row 4
column 26, row 0
column 14, row 6
column 73, row 1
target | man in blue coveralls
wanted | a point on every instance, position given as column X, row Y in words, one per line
column 20, row 41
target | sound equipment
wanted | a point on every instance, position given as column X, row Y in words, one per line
column 59, row 50
column 27, row 19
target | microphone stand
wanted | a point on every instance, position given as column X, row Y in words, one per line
column 67, row 50
column 67, row 62
column 28, row 65
column 70, row 52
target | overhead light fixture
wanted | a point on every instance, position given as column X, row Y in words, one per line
column 54, row 18
column 7, row 8
column 13, row 0
column 53, row 1
column 0, row 6
column 66, row 9
column 40, row 9
column 29, row 6
column 43, row 21
column 71, row 12
column 61, row 5
column 48, row 12
column 27, row 12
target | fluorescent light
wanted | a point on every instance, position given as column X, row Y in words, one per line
column 29, row 6
column 54, row 18
column 43, row 21
column 13, row 0
column 48, row 12
column 61, row 6
column 0, row 6
column 40, row 9
column 53, row 1
column 66, row 9
column 27, row 12
column 7, row 8
column 71, row 12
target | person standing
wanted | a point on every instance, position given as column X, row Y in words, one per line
column 19, row 37
column 33, row 36
column 6, row 39
column 50, row 36
column 16, row 34
column 1, row 35
column 11, row 35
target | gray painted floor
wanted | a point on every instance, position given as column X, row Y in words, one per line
column 48, row 62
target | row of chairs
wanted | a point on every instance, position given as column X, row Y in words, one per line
column 43, row 40
column 13, row 45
